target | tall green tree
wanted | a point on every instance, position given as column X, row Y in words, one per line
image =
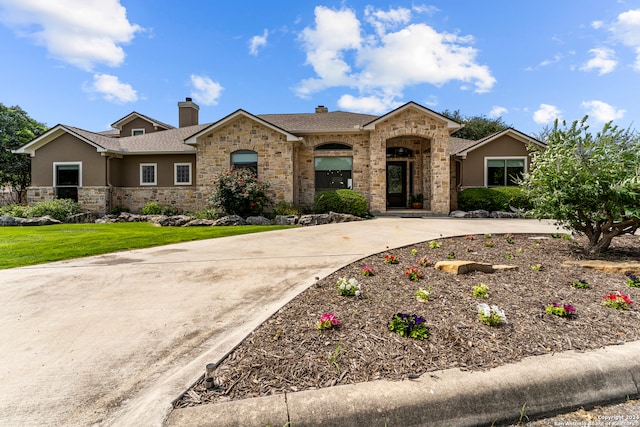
column 16, row 129
column 589, row 183
column 475, row 127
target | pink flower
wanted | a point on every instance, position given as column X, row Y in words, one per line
column 327, row 321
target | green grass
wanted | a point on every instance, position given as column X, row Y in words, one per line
column 21, row 246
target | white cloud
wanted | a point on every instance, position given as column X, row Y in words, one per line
column 111, row 89
column 601, row 111
column 497, row 111
column 546, row 114
column 257, row 42
column 596, row 25
column 556, row 58
column 367, row 104
column 205, row 90
column 394, row 55
column 603, row 60
column 627, row 30
column 81, row 33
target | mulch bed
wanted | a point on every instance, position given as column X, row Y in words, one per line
column 287, row 353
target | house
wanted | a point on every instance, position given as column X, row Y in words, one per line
column 387, row 158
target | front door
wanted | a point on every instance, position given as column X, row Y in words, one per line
column 396, row 184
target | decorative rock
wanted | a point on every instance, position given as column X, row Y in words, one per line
column 286, row 219
column 628, row 267
column 505, row 267
column 480, row 213
column 501, row 214
column 230, row 220
column 43, row 220
column 463, row 267
column 200, row 223
column 81, row 218
column 173, row 221
column 459, row 214
column 314, row 219
column 342, row 217
column 129, row 217
column 6, row 220
column 258, row 220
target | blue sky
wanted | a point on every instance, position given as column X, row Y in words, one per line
column 88, row 63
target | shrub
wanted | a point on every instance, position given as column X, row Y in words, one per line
column 153, row 208
column 286, row 208
column 117, row 210
column 341, row 201
column 240, row 192
column 210, row 213
column 57, row 208
column 493, row 199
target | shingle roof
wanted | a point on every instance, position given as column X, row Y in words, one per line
column 457, row 145
column 118, row 124
column 334, row 121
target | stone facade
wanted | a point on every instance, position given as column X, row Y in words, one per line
column 92, row 199
column 135, row 198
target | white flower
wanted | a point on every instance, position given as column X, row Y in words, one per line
column 499, row 312
column 484, row 310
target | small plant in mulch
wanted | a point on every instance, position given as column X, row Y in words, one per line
column 580, row 284
column 414, row 273
column 425, row 261
column 348, row 287
column 451, row 255
column 391, row 259
column 422, row 294
column 520, row 250
column 536, row 267
column 491, row 315
column 414, row 252
column 633, row 281
column 481, row 291
column 508, row 256
column 434, row 245
column 617, row 300
column 556, row 235
column 560, row 310
column 367, row 270
column 327, row 321
column 489, row 244
column 409, row 325
column 509, row 238
column 487, row 235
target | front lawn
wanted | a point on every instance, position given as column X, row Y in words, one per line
column 21, row 246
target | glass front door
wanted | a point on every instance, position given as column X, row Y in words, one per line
column 396, row 184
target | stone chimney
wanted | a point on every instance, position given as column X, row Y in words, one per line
column 321, row 109
column 187, row 113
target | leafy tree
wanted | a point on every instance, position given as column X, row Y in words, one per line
column 475, row 127
column 588, row 183
column 239, row 192
column 16, row 129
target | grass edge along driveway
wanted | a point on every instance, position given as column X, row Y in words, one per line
column 23, row 246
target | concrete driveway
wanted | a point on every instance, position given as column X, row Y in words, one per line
column 113, row 339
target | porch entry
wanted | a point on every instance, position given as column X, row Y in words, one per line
column 396, row 184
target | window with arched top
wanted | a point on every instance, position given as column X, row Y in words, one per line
column 245, row 159
column 399, row 152
column 333, row 146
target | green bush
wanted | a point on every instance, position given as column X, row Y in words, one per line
column 240, row 192
column 285, row 208
column 493, row 199
column 210, row 213
column 57, row 208
column 155, row 208
column 341, row 201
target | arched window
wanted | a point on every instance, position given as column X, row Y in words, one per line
column 399, row 152
column 245, row 159
column 332, row 146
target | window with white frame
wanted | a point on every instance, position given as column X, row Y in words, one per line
column 504, row 171
column 182, row 173
column 67, row 177
column 136, row 132
column 148, row 173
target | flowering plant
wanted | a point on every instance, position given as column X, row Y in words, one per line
column 425, row 262
column 617, row 300
column 580, row 284
column 414, row 273
column 409, row 325
column 491, row 316
column 348, row 287
column 489, row 244
column 564, row 310
column 327, row 321
column 434, row 245
column 481, row 291
column 391, row 259
column 367, row 271
column 633, row 281
column 422, row 294
column 240, row 192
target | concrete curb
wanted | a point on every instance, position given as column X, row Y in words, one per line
column 538, row 386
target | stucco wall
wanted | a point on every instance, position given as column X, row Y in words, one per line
column 128, row 169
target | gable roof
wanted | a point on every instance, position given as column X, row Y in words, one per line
column 192, row 139
column 135, row 115
column 452, row 125
column 463, row 149
column 334, row 121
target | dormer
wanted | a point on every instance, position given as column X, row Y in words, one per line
column 135, row 124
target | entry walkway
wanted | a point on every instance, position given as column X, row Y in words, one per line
column 113, row 339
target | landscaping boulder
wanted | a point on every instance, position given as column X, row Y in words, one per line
column 502, row 214
column 173, row 221
column 230, row 220
column 343, row 217
column 459, row 214
column 129, row 217
column 463, row 267
column 43, row 220
column 200, row 223
column 81, row 218
column 258, row 220
column 314, row 219
column 628, row 267
column 286, row 219
column 480, row 213
column 6, row 220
